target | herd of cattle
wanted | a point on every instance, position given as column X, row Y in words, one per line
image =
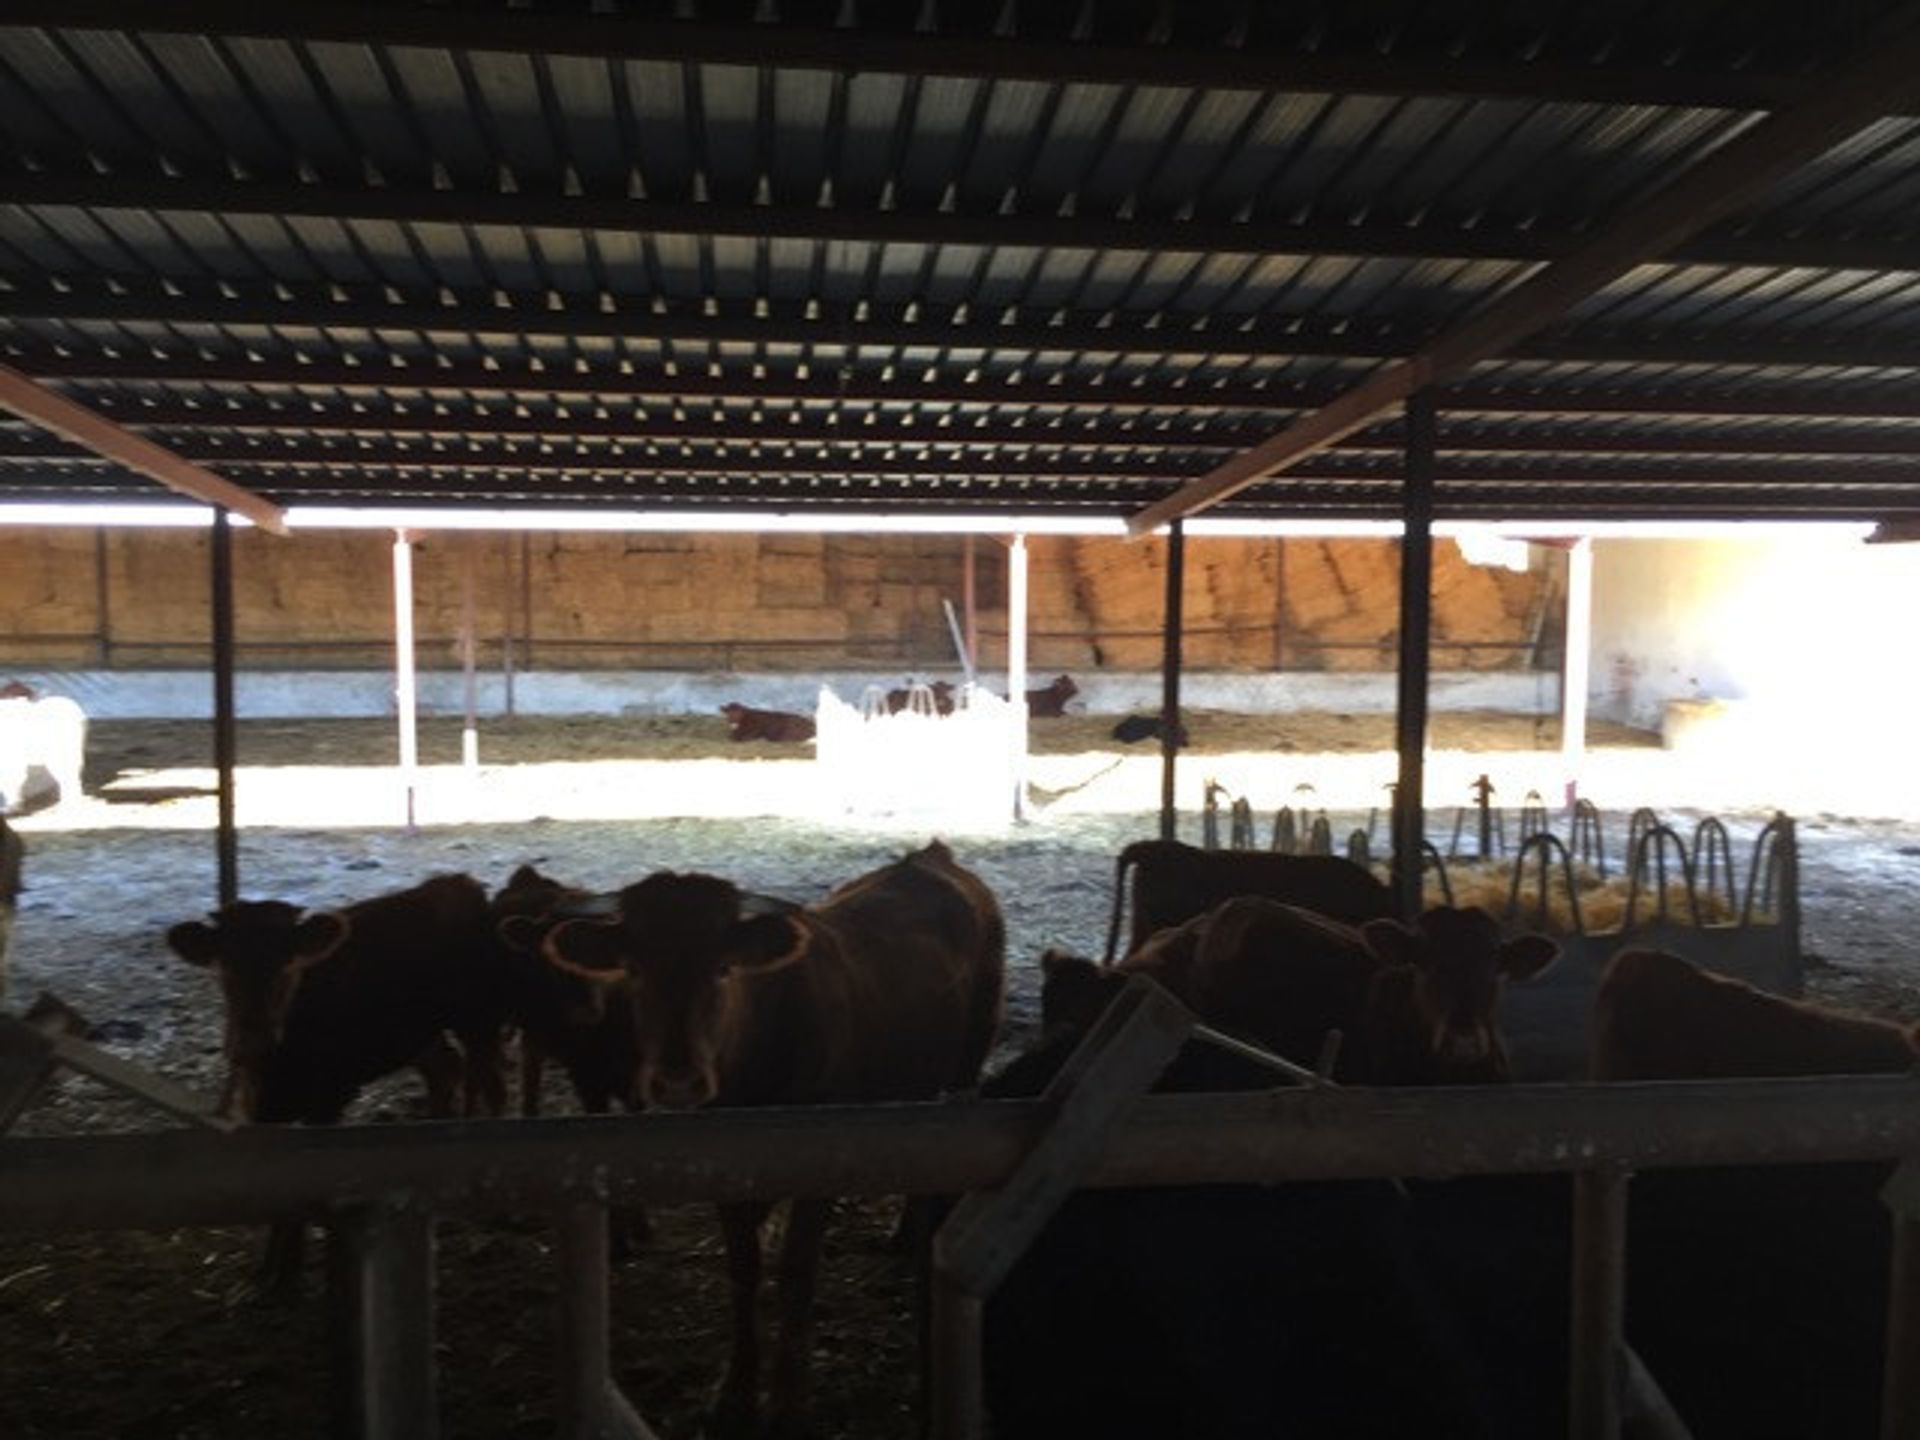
column 1350, row 1309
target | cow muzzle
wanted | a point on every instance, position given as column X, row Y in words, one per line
column 678, row 1091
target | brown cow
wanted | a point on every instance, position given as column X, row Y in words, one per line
column 1173, row 882
column 1049, row 702
column 1416, row 1006
column 898, row 700
column 561, row 1017
column 319, row 1003
column 889, row 989
column 1659, row 1017
column 1776, row 1273
column 746, row 723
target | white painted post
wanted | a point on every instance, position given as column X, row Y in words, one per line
column 1017, row 668
column 470, row 733
column 1577, row 665
column 404, row 688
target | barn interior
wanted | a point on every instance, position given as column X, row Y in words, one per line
column 383, row 383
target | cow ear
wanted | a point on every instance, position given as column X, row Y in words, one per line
column 1525, row 956
column 195, row 942
column 318, row 935
column 526, row 875
column 766, row 943
column 519, row 932
column 1392, row 941
column 589, row 949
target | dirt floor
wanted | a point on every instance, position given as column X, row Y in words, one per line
column 151, row 1335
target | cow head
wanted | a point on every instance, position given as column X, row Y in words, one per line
column 685, row 945
column 260, row 949
column 1458, row 960
column 1074, row 990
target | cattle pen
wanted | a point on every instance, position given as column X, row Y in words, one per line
column 379, row 1190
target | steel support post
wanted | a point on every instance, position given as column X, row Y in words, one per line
column 226, row 843
column 1900, row 1392
column 403, row 667
column 1596, row 1369
column 381, row 1263
column 1170, row 675
column 1416, row 625
column 591, row 1405
column 1017, row 669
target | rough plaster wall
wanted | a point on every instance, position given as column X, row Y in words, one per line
column 1795, row 624
column 775, row 602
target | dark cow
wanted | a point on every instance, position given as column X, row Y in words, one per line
column 1415, row 1005
column 1049, row 702
column 898, row 700
column 1659, row 1017
column 889, row 989
column 1226, row 1312
column 782, row 726
column 1135, row 728
column 561, row 1017
column 1173, row 882
column 12, row 856
column 1756, row 1294
column 319, row 1003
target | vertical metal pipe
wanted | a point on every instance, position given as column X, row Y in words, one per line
column 506, row 629
column 102, row 595
column 226, row 842
column 969, row 603
column 957, row 1402
column 1575, row 665
column 1170, row 673
column 526, row 601
column 1596, row 1356
column 404, row 686
column 1017, row 667
column 470, row 732
column 591, row 1405
column 384, row 1271
column 1416, row 624
column 1900, row 1387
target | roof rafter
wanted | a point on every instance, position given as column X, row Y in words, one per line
column 893, row 326
column 546, row 31
column 1694, row 198
column 1885, row 402
column 529, row 209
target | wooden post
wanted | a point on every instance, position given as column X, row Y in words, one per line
column 382, row 1271
column 404, row 687
column 1416, row 624
column 1170, row 674
column 1596, row 1354
column 226, row 842
column 591, row 1406
column 1017, row 668
column 1575, row 665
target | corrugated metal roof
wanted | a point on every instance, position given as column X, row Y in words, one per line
column 680, row 255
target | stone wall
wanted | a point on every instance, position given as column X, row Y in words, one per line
column 788, row 602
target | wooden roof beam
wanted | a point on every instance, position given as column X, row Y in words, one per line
column 1744, row 167
column 70, row 420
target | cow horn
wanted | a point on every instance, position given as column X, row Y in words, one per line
column 752, row 905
